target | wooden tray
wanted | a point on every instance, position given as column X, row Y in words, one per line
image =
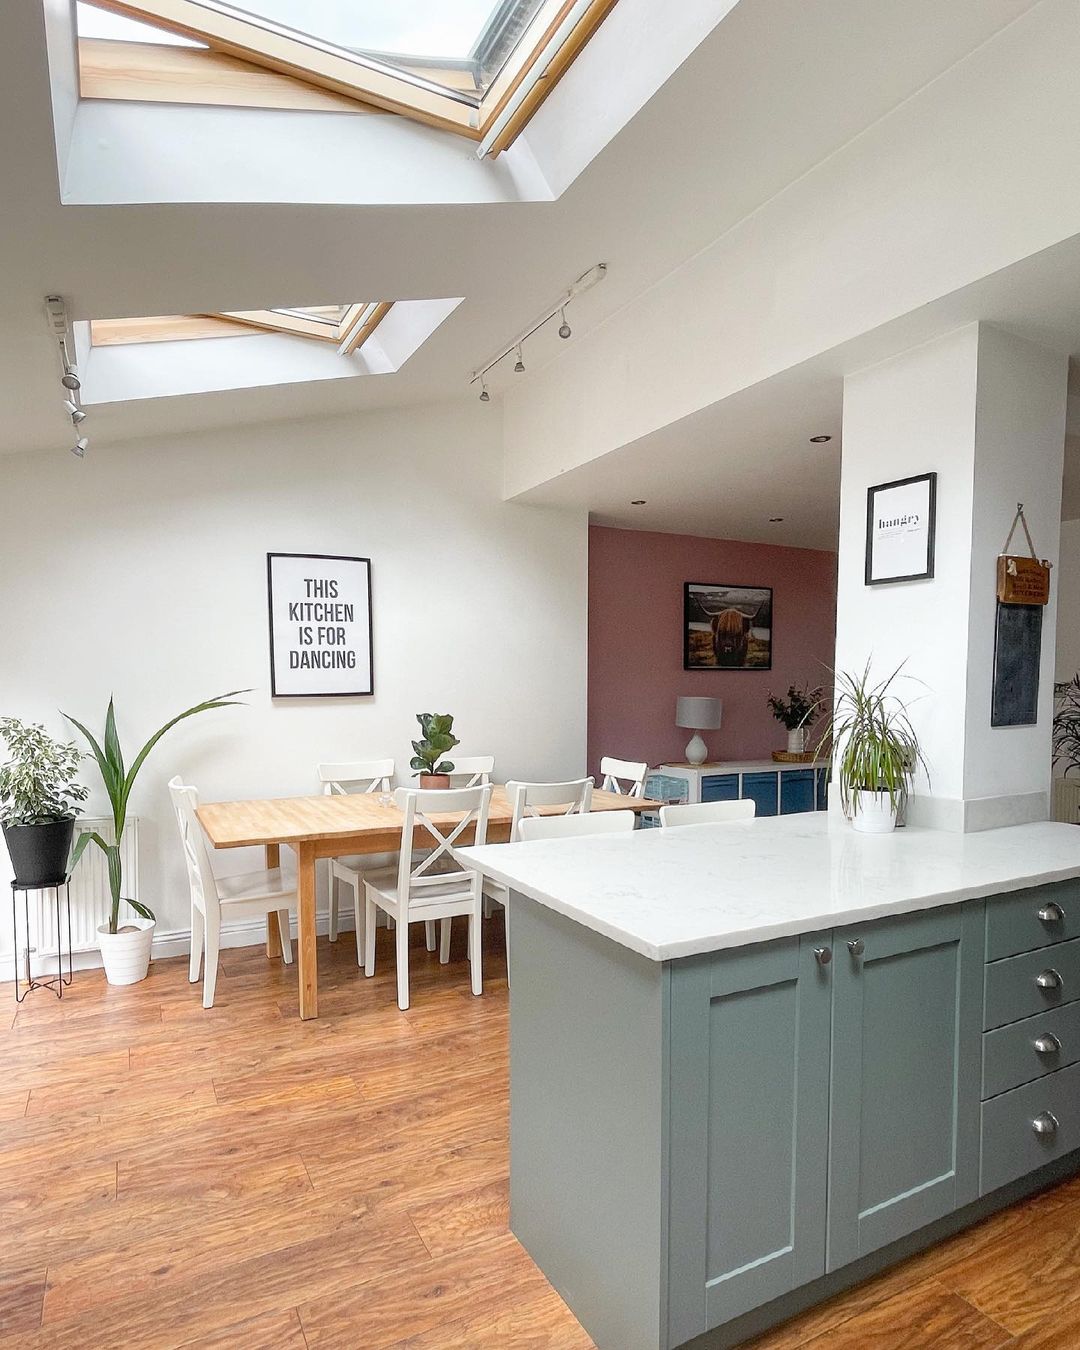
column 787, row 757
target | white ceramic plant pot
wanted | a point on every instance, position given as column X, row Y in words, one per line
column 126, row 955
column 874, row 813
column 796, row 741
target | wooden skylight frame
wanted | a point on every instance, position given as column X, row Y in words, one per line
column 241, row 47
column 348, row 334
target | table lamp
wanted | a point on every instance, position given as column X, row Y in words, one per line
column 698, row 714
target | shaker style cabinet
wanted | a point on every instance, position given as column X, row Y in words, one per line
column 824, row 1102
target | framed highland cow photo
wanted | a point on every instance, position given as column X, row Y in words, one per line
column 726, row 627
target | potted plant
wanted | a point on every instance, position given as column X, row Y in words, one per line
column 436, row 738
column 39, row 800
column 125, row 951
column 878, row 751
column 797, row 712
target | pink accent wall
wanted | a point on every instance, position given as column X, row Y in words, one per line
column 636, row 641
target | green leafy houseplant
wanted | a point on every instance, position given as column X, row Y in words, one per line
column 799, row 709
column 118, row 782
column 436, row 739
column 1066, row 734
column 38, row 782
column 39, row 800
column 878, row 748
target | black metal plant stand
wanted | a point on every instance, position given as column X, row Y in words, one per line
column 57, row 983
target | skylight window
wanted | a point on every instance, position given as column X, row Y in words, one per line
column 479, row 68
column 347, row 326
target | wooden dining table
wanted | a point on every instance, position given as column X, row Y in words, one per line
column 330, row 827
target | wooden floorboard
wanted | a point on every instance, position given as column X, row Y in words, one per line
column 234, row 1177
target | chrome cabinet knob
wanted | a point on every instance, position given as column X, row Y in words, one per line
column 1045, row 1124
column 1047, row 1044
column 1048, row 979
column 823, row 955
column 856, row 946
column 1051, row 913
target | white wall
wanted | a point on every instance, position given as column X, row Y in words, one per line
column 141, row 571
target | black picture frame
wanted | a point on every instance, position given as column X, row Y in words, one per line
column 871, row 498
column 692, row 611
column 337, row 693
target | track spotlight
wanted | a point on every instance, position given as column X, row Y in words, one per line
column 519, row 364
column 77, row 416
column 564, row 327
column 485, row 397
column 70, row 379
column 80, row 447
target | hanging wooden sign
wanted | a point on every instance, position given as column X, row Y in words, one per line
column 1022, row 580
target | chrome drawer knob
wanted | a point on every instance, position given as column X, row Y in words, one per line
column 1051, row 913
column 1045, row 1124
column 1048, row 979
column 1047, row 1044
column 856, row 947
column 823, row 955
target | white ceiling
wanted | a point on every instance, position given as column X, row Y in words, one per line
column 744, row 116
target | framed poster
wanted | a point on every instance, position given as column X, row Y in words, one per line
column 726, row 627
column 320, row 625
column 900, row 530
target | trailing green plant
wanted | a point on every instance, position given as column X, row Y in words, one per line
column 870, row 731
column 118, row 782
column 38, row 781
column 1066, row 733
column 799, row 709
column 436, row 738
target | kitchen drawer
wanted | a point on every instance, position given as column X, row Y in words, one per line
column 1013, row 923
column 1010, row 1146
column 1012, row 991
column 1010, row 1057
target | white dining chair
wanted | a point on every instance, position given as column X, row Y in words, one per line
column 707, row 813
column 249, row 895
column 361, row 776
column 471, row 770
column 572, row 798
column 431, row 884
column 573, row 827
column 619, row 772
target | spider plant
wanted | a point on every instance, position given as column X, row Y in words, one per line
column 870, row 728
column 1066, row 735
column 118, row 783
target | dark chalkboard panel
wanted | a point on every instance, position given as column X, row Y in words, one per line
column 1017, row 652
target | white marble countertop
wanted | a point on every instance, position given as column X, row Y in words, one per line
column 700, row 888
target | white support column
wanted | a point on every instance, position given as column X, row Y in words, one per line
column 986, row 411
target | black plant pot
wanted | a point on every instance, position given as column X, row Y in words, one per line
column 39, row 853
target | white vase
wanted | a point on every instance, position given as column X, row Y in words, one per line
column 126, row 955
column 874, row 813
column 796, row 740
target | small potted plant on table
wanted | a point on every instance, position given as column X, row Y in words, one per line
column 436, row 738
column 878, row 750
column 39, row 800
column 797, row 713
column 125, row 952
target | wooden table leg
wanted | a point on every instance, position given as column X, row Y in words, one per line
column 308, row 962
column 273, row 935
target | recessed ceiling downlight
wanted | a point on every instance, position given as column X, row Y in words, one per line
column 776, row 520
column 638, row 501
column 819, row 440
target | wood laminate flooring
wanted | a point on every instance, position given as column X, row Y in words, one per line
column 239, row 1178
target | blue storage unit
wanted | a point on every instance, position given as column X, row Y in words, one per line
column 720, row 788
column 823, row 777
column 761, row 789
column 797, row 791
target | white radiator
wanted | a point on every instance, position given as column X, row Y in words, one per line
column 1065, row 800
column 90, row 900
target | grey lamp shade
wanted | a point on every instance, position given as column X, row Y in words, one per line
column 699, row 714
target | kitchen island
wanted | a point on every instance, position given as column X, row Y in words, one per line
column 756, row 1062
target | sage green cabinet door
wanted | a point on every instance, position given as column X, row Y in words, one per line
column 749, row 1074
column 906, row 1068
